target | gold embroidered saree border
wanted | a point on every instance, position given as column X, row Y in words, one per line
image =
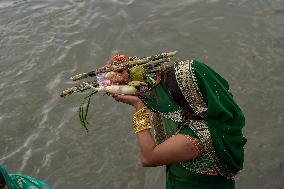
column 188, row 84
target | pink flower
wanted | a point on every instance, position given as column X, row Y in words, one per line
column 105, row 83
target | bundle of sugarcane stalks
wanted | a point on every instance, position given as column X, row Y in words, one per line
column 149, row 66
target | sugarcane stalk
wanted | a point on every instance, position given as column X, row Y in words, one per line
column 119, row 68
column 79, row 88
column 150, row 64
column 158, row 68
column 150, row 68
column 155, row 59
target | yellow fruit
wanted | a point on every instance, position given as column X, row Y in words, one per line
column 137, row 73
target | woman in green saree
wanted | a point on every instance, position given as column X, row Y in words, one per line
column 19, row 181
column 197, row 124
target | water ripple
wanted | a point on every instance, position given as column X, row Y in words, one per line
column 26, row 144
column 44, row 42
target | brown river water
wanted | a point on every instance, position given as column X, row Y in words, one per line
column 44, row 42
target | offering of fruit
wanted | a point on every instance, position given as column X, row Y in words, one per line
column 120, row 75
column 137, row 73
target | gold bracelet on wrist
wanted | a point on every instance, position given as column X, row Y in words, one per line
column 141, row 120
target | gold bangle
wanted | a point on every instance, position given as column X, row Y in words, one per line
column 141, row 120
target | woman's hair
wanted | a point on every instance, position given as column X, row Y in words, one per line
column 176, row 93
column 172, row 85
column 2, row 181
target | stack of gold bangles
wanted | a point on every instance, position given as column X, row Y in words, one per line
column 141, row 120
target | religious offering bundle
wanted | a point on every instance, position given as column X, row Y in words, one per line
column 120, row 75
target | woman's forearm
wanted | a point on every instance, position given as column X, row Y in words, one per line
column 145, row 140
column 175, row 149
column 146, row 144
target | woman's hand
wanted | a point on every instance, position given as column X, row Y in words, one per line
column 129, row 99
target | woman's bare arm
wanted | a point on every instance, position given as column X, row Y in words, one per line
column 175, row 149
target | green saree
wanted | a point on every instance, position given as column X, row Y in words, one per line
column 21, row 181
column 218, row 127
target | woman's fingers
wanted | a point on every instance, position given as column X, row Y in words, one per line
column 115, row 96
column 120, row 98
column 127, row 99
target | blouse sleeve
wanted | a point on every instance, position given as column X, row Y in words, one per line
column 193, row 138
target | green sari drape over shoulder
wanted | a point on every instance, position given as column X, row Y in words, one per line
column 21, row 181
column 219, row 130
column 224, row 119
